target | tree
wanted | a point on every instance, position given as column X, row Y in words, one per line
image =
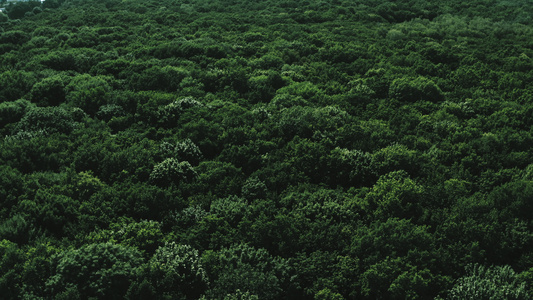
column 52, row 3
column 324, row 274
column 494, row 282
column 15, row 84
column 166, row 78
column 240, row 295
column 37, row 10
column 11, row 112
column 11, row 186
column 3, row 17
column 396, row 157
column 65, row 60
column 88, row 92
column 144, row 235
column 395, row 194
column 11, row 263
column 38, row 266
column 170, row 113
column 219, row 178
column 20, row 8
column 512, row 199
column 49, row 92
column 15, row 229
column 171, row 171
column 233, row 209
column 50, row 119
column 185, row 150
column 253, row 189
column 103, row 270
column 176, row 272
column 350, row 167
column 393, row 278
column 242, row 267
column 407, row 89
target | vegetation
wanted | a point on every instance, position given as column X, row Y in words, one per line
column 273, row 149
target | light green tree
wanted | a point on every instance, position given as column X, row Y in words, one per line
column 492, row 283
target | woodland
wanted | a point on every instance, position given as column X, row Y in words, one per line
column 277, row 149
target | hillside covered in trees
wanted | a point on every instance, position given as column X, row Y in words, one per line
column 278, row 149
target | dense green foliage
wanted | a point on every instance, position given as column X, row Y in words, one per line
column 273, row 149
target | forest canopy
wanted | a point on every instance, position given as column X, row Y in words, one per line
column 230, row 149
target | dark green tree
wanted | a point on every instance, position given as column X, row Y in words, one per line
column 408, row 89
column 49, row 92
column 88, row 92
column 176, row 272
column 103, row 270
